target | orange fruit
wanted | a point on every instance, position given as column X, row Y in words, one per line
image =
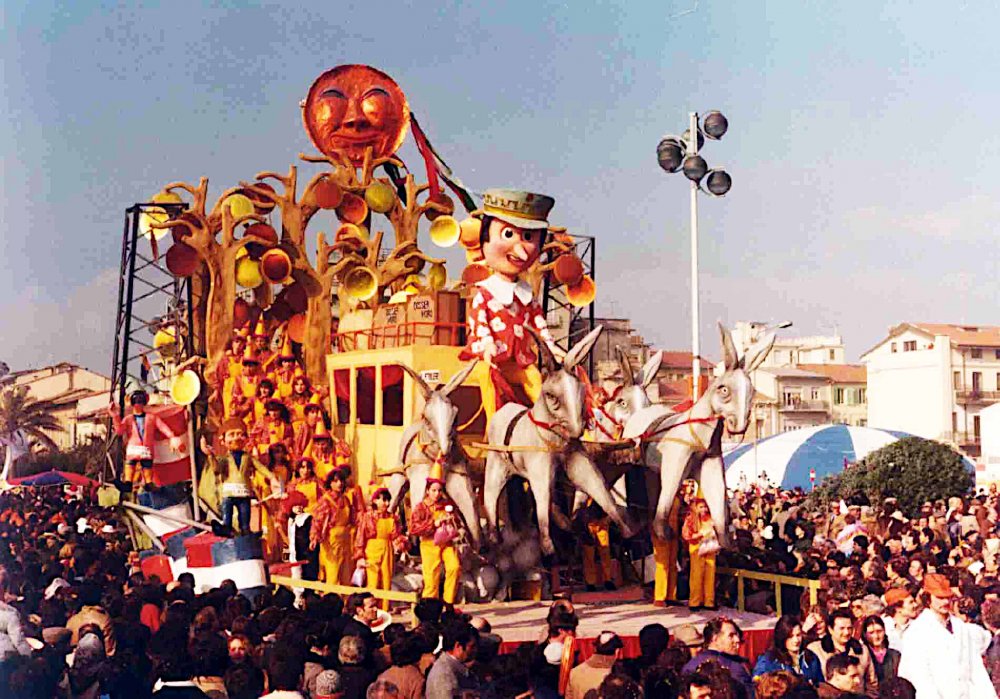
column 328, row 194
column 182, row 260
column 352, row 209
column 469, row 234
column 475, row 273
column 568, row 270
column 297, row 327
column 582, row 294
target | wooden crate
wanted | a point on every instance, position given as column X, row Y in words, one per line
column 389, row 327
column 436, row 318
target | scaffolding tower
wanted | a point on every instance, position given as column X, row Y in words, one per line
column 569, row 323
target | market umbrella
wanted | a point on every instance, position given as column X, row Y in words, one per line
column 52, row 478
column 786, row 459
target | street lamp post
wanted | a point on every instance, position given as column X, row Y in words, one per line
column 681, row 153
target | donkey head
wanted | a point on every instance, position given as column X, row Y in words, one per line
column 437, row 423
column 631, row 396
column 731, row 394
column 561, row 402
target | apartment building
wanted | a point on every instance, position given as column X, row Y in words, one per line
column 76, row 392
column 934, row 380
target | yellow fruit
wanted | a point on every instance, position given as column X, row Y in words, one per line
column 239, row 205
column 445, row 231
column 380, row 197
column 248, row 273
column 437, row 277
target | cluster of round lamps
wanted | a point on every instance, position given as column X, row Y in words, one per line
column 679, row 153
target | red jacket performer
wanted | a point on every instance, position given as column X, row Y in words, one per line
column 512, row 233
column 138, row 431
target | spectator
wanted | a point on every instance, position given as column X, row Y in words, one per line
column 172, row 666
column 284, row 675
column 722, row 645
column 695, row 686
column 942, row 653
column 885, row 659
column 354, row 676
column 591, row 673
column 991, row 658
column 329, row 685
column 405, row 673
column 12, row 640
column 244, row 681
column 897, row 688
column 838, row 641
column 450, row 672
column 776, row 684
column 844, row 676
column 92, row 613
column 787, row 654
column 901, row 608
column 382, row 689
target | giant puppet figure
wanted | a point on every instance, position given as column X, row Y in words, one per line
column 512, row 234
column 138, row 431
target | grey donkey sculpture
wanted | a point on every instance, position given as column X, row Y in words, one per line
column 533, row 442
column 434, row 438
column 679, row 444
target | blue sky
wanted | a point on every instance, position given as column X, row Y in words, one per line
column 861, row 144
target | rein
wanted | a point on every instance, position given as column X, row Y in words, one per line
column 697, row 444
column 546, row 426
column 604, row 430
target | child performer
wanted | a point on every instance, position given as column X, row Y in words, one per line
column 433, row 520
column 378, row 540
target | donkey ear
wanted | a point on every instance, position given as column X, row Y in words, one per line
column 628, row 378
column 730, row 357
column 549, row 363
column 650, row 368
column 582, row 348
column 422, row 386
column 459, row 378
column 758, row 351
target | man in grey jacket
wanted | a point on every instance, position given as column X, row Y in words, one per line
column 12, row 640
column 450, row 672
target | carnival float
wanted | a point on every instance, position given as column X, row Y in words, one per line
column 354, row 409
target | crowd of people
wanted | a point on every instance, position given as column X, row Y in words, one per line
column 79, row 619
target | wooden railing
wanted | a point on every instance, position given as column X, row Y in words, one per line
column 777, row 580
column 391, row 595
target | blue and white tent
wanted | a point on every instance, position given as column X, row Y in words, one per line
column 786, row 459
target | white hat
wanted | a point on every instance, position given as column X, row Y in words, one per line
column 522, row 209
column 54, row 587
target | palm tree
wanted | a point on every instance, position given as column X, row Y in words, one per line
column 24, row 420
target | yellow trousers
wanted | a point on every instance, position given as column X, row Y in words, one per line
column 665, row 580
column 335, row 557
column 702, row 579
column 592, row 574
column 432, row 557
column 378, row 555
column 529, row 378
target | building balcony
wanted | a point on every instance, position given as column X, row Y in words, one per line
column 804, row 406
column 974, row 396
column 962, row 439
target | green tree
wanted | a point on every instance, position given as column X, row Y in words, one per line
column 21, row 414
column 912, row 470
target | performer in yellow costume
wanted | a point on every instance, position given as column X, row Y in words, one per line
column 437, row 548
column 378, row 540
column 665, row 551
column 269, row 494
column 596, row 541
column 306, row 482
column 286, row 371
column 703, row 545
column 322, row 451
column 331, row 531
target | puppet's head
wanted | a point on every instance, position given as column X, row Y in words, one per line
column 139, row 400
column 353, row 107
column 513, row 229
column 234, row 434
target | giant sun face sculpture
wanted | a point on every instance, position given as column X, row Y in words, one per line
column 353, row 107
